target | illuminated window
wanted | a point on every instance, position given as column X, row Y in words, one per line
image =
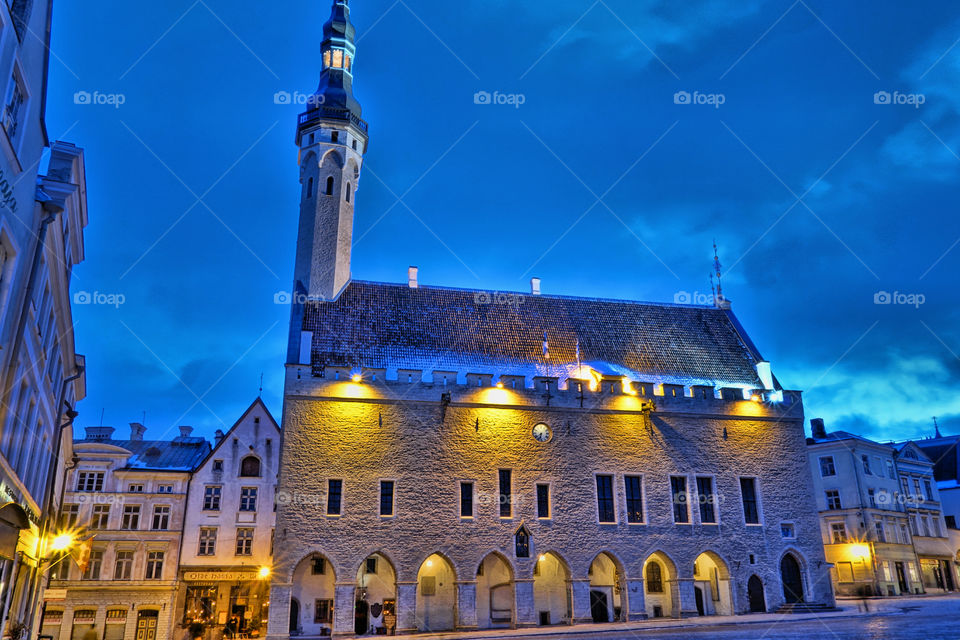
column 654, row 578
column 326, row 59
column 348, row 60
column 838, row 532
column 337, row 59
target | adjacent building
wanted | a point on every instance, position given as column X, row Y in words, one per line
column 881, row 521
column 227, row 550
column 460, row 460
column 126, row 501
column 42, row 219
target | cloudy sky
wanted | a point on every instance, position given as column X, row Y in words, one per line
column 817, row 142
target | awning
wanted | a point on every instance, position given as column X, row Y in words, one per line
column 12, row 519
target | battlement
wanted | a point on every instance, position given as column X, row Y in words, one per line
column 607, row 393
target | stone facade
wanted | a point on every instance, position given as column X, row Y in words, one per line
column 362, row 433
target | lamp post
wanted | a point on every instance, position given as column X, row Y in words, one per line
column 48, row 550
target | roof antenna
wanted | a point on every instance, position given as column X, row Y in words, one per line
column 260, row 392
column 936, row 428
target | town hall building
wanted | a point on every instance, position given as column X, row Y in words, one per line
column 455, row 462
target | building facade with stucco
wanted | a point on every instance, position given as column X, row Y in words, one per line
column 457, row 459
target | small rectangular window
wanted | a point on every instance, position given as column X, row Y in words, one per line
column 94, row 564
column 371, row 566
column 838, row 532
column 123, row 565
column 154, row 565
column 827, row 466
column 506, row 493
column 208, row 541
column 319, row 566
column 634, row 488
column 323, row 612
column 334, row 497
column 787, row 531
column 248, row 499
column 386, row 497
column 101, row 516
column 705, row 498
column 131, row 517
column 833, row 499
column 466, row 499
column 751, row 508
column 605, row 509
column 678, row 495
column 866, row 464
column 218, row 465
column 211, row 498
column 543, row 501
column 161, row 517
column 90, row 481
column 244, row 541
column 334, row 137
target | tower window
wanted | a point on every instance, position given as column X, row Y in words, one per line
column 329, row 189
column 312, row 138
column 349, row 191
column 310, row 188
column 334, row 137
column 523, row 543
column 354, row 145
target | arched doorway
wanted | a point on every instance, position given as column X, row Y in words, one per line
column 659, row 583
column 376, row 602
column 495, row 592
column 606, row 589
column 313, row 589
column 792, row 579
column 712, row 581
column 758, row 603
column 294, row 616
column 436, row 595
column 551, row 590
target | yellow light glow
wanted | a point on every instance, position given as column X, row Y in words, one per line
column 499, row 385
column 543, row 557
column 264, row 572
column 628, row 387
column 429, row 563
column 357, row 377
column 61, row 542
column 859, row 551
column 755, row 398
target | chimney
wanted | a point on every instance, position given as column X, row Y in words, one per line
column 218, row 437
column 535, row 286
column 817, row 428
column 99, row 433
column 412, row 277
column 185, row 431
column 136, row 431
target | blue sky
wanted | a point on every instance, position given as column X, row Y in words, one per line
column 820, row 191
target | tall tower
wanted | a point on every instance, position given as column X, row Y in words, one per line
column 332, row 139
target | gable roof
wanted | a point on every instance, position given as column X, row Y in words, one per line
column 257, row 402
column 393, row 326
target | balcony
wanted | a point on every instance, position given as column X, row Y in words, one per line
column 330, row 113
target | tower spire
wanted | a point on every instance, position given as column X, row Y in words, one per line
column 332, row 138
column 718, row 298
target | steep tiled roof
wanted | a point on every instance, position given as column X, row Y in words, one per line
column 179, row 454
column 428, row 328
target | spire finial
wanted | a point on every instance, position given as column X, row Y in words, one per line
column 716, row 268
column 936, row 428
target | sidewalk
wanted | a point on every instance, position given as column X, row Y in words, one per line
column 645, row 625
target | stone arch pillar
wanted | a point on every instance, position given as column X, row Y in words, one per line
column 466, row 605
column 635, row 600
column 278, row 624
column 526, row 614
column 687, row 598
column 581, row 600
column 344, row 608
column 406, row 607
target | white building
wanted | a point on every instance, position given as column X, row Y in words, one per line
column 880, row 520
column 126, row 498
column 228, row 536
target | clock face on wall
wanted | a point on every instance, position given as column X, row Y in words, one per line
column 542, row 433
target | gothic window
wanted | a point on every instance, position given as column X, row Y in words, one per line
column 310, row 188
column 250, row 467
column 349, row 191
column 523, row 543
column 329, row 189
column 654, row 578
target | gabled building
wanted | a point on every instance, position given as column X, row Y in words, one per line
column 227, row 550
column 456, row 460
column 126, row 498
